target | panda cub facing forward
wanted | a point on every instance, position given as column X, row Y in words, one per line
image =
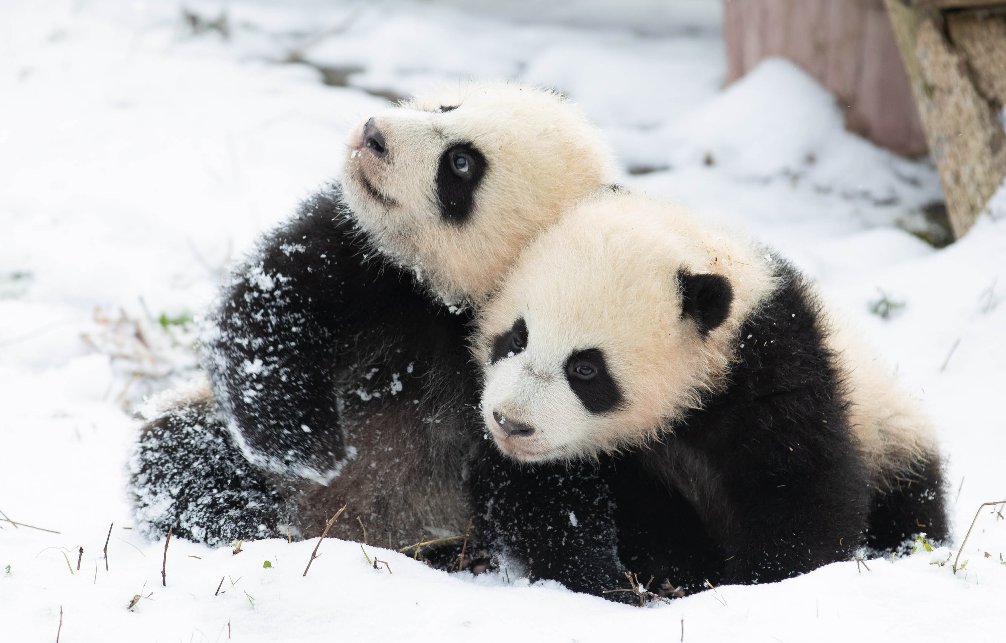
column 670, row 400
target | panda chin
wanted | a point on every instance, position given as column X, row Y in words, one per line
column 522, row 451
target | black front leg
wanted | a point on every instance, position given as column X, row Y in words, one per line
column 557, row 520
column 276, row 337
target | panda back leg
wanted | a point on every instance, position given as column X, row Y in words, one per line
column 913, row 505
column 188, row 474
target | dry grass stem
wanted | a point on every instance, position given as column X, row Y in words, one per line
column 417, row 547
column 996, row 503
column 17, row 524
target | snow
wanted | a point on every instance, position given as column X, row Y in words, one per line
column 139, row 159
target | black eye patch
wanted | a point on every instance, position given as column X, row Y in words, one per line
column 459, row 173
column 510, row 343
column 591, row 381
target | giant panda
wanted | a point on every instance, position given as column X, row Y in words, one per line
column 670, row 399
column 338, row 353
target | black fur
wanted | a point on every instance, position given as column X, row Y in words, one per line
column 317, row 327
column 555, row 520
column 599, row 393
column 512, row 342
column 764, row 482
column 456, row 189
column 705, row 299
column 232, row 499
column 915, row 505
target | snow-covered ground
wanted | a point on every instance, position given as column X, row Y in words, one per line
column 141, row 150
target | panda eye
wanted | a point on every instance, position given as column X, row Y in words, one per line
column 511, row 342
column 461, row 165
column 582, row 370
column 518, row 342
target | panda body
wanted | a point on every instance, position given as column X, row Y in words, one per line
column 678, row 390
column 338, row 354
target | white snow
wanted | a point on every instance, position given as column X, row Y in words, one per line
column 138, row 159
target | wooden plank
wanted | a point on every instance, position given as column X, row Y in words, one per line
column 847, row 45
column 955, row 4
column 957, row 76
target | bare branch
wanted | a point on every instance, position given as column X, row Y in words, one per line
column 328, row 526
column 106, row 544
column 164, row 563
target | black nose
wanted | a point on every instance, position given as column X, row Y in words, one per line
column 373, row 139
column 510, row 427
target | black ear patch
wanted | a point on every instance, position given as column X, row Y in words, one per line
column 510, row 343
column 705, row 298
column 588, row 375
column 459, row 173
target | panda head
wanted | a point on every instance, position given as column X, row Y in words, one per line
column 610, row 326
column 454, row 183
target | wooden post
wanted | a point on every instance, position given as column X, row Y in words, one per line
column 955, row 55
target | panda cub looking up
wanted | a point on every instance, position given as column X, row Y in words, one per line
column 339, row 376
column 685, row 414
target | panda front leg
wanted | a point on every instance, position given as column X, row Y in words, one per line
column 557, row 520
column 275, row 341
column 792, row 508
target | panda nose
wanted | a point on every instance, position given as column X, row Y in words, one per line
column 510, row 427
column 373, row 139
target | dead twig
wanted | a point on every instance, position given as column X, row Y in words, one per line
column 217, row 593
column 716, row 593
column 861, row 561
column 642, row 592
column 164, row 562
column 464, row 546
column 373, row 562
column 80, row 554
column 59, row 630
column 137, row 598
column 107, row 538
column 328, row 526
column 967, row 535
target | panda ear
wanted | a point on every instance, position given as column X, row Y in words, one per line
column 705, row 298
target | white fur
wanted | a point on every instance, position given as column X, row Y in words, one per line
column 542, row 153
column 605, row 277
column 894, row 433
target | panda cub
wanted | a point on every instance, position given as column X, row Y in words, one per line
column 668, row 399
column 338, row 355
